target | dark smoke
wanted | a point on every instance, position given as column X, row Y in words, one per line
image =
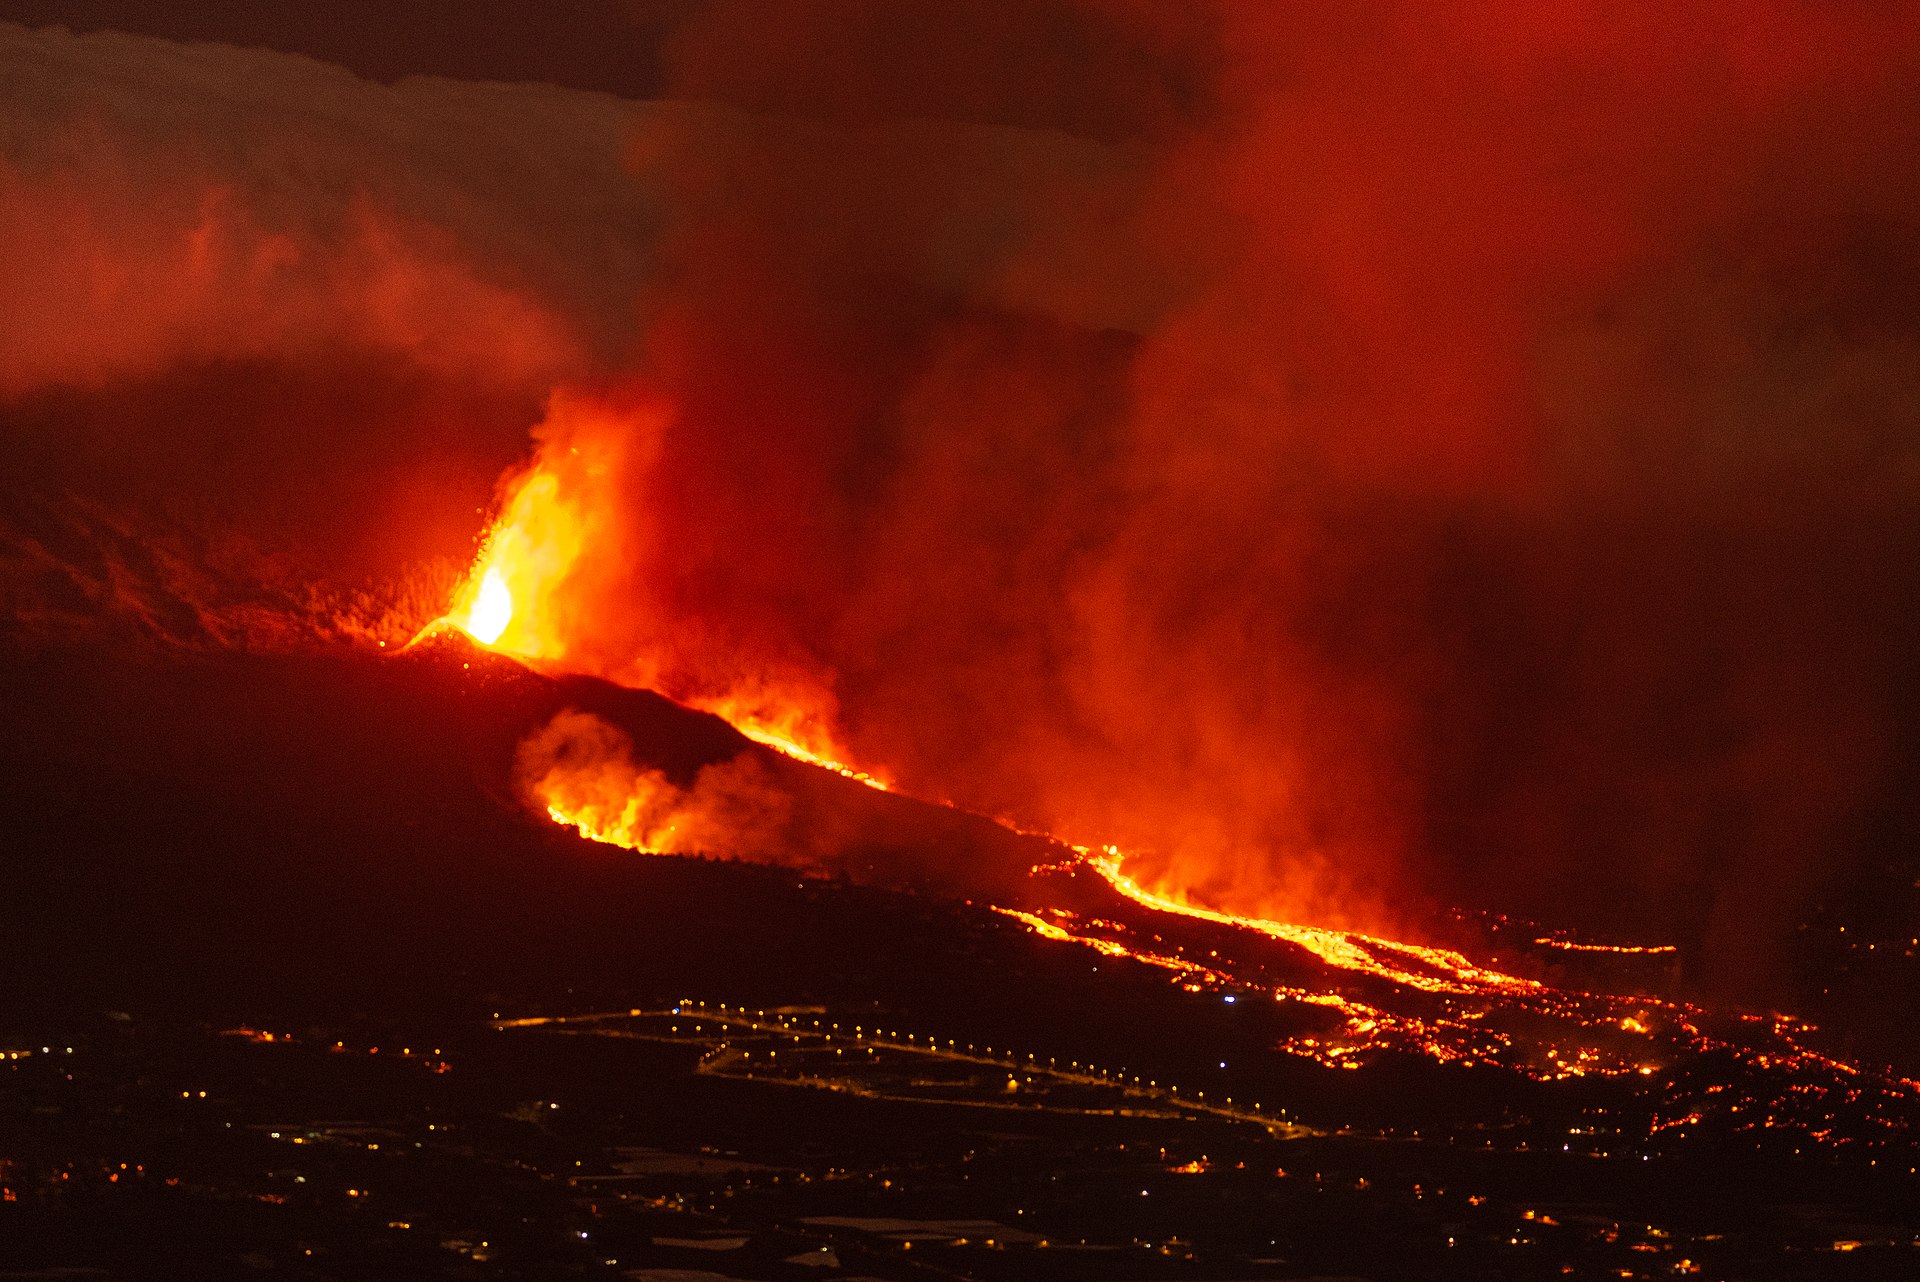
column 1368, row 457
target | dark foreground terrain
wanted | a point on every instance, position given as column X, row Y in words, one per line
column 290, row 982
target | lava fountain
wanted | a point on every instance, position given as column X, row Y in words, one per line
column 492, row 609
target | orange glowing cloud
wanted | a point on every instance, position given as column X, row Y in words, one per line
column 579, row 771
column 1342, row 455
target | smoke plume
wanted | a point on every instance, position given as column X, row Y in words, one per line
column 580, row 769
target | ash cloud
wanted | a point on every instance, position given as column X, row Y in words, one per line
column 1413, row 454
column 1367, row 458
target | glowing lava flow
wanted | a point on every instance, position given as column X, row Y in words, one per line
column 786, row 742
column 1545, row 1033
column 1623, row 950
column 1444, row 971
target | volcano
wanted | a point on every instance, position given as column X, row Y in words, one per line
column 693, row 640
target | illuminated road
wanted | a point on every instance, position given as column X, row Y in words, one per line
column 814, row 1044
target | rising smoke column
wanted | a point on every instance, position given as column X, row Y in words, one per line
column 1345, row 456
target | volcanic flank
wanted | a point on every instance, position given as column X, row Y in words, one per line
column 401, row 812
